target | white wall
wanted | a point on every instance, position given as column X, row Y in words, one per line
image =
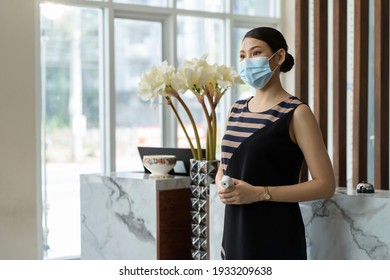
column 19, row 229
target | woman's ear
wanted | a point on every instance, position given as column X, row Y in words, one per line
column 281, row 56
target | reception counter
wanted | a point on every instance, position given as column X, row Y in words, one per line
column 133, row 216
column 348, row 226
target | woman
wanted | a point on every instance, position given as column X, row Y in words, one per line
column 267, row 137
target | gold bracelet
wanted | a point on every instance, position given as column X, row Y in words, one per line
column 267, row 196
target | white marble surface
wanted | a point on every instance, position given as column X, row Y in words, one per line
column 118, row 214
column 119, row 220
column 347, row 226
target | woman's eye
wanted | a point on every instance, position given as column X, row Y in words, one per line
column 242, row 56
column 256, row 53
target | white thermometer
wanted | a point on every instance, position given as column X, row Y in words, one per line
column 226, row 181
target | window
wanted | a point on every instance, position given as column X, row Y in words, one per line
column 201, row 5
column 160, row 3
column 264, row 8
column 196, row 37
column 137, row 48
column 92, row 56
column 70, row 54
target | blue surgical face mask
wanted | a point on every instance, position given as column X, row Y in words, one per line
column 256, row 71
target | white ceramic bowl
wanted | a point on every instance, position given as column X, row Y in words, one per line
column 159, row 164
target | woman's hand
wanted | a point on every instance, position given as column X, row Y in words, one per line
column 240, row 193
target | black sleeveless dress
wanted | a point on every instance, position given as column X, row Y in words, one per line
column 257, row 148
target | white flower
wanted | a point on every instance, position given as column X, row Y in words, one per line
column 197, row 75
column 208, row 82
column 156, row 81
column 192, row 75
column 229, row 77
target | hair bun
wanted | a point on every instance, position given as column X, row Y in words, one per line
column 288, row 63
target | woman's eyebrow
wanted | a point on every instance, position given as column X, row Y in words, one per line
column 254, row 47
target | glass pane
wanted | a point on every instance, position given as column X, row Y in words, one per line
column 201, row 5
column 196, row 37
column 263, row 8
column 138, row 45
column 70, row 100
column 199, row 36
column 159, row 3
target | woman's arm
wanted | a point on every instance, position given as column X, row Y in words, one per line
column 305, row 131
column 309, row 138
column 218, row 177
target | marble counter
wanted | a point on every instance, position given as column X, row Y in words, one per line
column 347, row 226
column 132, row 216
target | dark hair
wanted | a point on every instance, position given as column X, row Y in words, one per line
column 275, row 40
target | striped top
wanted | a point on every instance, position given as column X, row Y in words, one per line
column 242, row 124
column 257, row 148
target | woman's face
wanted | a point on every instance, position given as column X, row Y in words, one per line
column 251, row 47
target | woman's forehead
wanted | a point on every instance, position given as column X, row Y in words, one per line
column 249, row 43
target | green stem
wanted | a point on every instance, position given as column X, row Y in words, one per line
column 214, row 128
column 199, row 148
column 209, row 149
column 170, row 103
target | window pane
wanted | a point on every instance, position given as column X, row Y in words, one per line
column 199, row 36
column 159, row 3
column 195, row 37
column 70, row 101
column 138, row 45
column 201, row 5
column 242, row 91
column 263, row 8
